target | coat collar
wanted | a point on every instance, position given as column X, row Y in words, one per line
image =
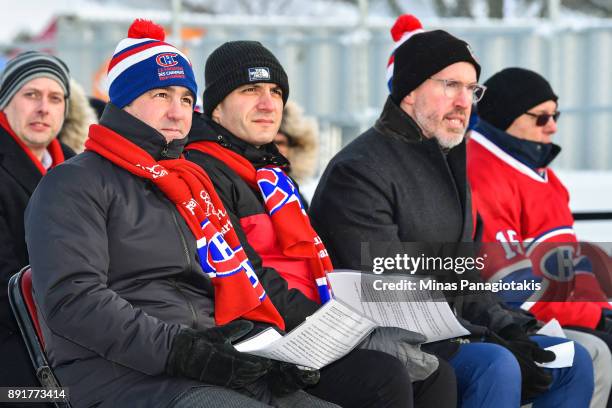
column 205, row 129
column 532, row 154
column 17, row 163
column 395, row 122
column 141, row 134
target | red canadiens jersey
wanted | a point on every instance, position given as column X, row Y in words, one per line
column 528, row 236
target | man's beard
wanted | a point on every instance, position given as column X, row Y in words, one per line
column 448, row 142
column 428, row 123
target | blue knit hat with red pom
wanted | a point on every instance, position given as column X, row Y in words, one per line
column 143, row 61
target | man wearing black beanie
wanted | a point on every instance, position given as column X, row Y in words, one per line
column 246, row 89
column 522, row 201
column 404, row 181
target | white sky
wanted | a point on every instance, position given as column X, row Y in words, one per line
column 30, row 15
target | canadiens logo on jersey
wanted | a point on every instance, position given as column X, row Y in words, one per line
column 277, row 189
column 558, row 263
column 216, row 255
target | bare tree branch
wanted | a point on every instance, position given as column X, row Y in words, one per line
column 601, row 8
column 441, row 9
column 496, row 8
column 463, row 9
column 395, row 7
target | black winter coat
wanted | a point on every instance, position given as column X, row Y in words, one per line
column 393, row 185
column 18, row 179
column 115, row 275
column 241, row 202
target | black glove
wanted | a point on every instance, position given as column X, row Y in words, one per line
column 285, row 378
column 209, row 356
column 605, row 323
column 535, row 379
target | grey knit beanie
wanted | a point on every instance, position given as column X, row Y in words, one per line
column 28, row 66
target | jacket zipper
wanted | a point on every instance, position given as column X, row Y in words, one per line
column 164, row 152
column 186, row 251
column 193, row 312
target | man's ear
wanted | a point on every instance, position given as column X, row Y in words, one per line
column 216, row 115
column 409, row 99
column 407, row 103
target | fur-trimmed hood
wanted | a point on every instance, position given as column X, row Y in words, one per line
column 80, row 116
column 303, row 133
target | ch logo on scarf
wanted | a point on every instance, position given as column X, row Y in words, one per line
column 210, row 207
column 277, row 189
column 219, row 260
column 156, row 170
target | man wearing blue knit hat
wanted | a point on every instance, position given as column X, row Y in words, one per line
column 121, row 240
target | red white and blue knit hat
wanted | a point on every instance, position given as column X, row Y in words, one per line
column 143, row 61
column 405, row 27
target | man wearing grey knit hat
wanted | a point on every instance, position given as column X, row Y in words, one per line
column 34, row 91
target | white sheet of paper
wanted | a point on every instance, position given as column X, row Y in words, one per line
column 407, row 309
column 564, row 353
column 259, row 341
column 330, row 333
column 552, row 329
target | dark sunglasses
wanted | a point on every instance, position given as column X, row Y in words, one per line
column 543, row 118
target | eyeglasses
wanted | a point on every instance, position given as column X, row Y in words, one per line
column 543, row 118
column 452, row 88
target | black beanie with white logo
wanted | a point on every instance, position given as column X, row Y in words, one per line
column 237, row 63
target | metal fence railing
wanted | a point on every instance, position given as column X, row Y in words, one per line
column 337, row 68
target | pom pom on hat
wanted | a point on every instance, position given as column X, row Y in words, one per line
column 143, row 61
column 142, row 28
column 406, row 23
column 405, row 27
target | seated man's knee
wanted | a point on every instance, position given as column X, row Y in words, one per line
column 393, row 376
column 498, row 359
column 480, row 362
column 583, row 364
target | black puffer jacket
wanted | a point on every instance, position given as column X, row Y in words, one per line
column 243, row 203
column 115, row 274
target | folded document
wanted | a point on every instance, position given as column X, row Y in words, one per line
column 327, row 335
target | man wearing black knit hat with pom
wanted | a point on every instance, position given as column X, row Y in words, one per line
column 401, row 188
column 138, row 275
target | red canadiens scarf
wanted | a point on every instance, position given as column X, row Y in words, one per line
column 295, row 235
column 238, row 292
column 54, row 148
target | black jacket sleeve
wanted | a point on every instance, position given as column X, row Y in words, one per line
column 9, row 265
column 67, row 235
